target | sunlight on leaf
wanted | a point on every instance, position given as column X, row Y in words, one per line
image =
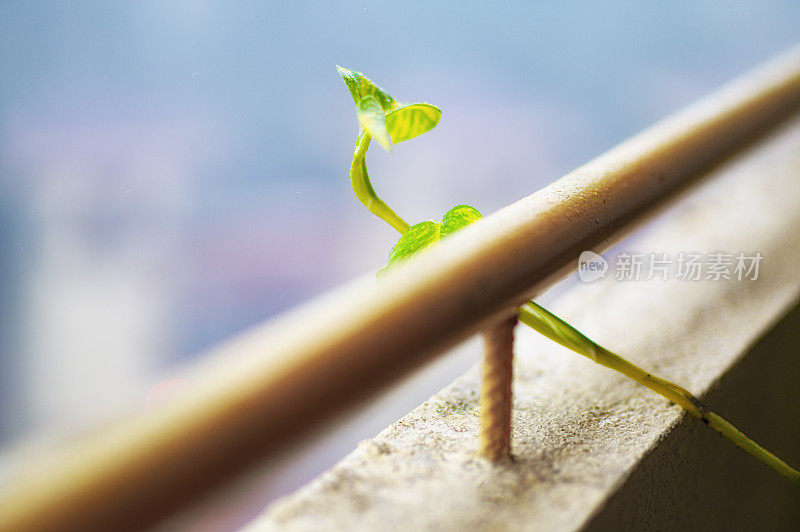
column 425, row 234
column 416, row 239
column 373, row 120
column 412, row 120
column 360, row 86
column 403, row 121
column 387, row 121
column 458, row 217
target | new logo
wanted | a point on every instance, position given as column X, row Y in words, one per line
column 591, row 266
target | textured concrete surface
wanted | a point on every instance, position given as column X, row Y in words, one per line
column 591, row 448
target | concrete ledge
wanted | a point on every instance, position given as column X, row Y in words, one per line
column 592, row 449
column 693, row 481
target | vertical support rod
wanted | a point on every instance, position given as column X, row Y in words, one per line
column 498, row 358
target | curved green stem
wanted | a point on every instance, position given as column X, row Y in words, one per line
column 553, row 327
column 359, row 179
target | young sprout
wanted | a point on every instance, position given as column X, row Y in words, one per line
column 388, row 121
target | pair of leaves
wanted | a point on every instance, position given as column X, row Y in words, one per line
column 423, row 235
column 384, row 118
column 388, row 121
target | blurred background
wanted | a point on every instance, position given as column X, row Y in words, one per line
column 174, row 172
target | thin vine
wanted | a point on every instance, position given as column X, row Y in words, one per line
column 390, row 122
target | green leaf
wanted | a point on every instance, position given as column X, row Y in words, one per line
column 423, row 235
column 411, row 120
column 418, row 237
column 386, row 120
column 402, row 121
column 360, row 86
column 458, row 217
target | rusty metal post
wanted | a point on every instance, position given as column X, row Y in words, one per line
column 498, row 360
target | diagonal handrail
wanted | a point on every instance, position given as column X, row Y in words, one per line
column 263, row 389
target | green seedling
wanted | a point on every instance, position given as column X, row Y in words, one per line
column 382, row 117
column 389, row 122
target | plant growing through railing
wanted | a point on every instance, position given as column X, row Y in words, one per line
column 389, row 122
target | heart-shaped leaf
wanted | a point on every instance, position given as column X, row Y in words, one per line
column 397, row 121
column 423, row 235
column 360, row 86
column 458, row 217
column 417, row 238
column 411, row 120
